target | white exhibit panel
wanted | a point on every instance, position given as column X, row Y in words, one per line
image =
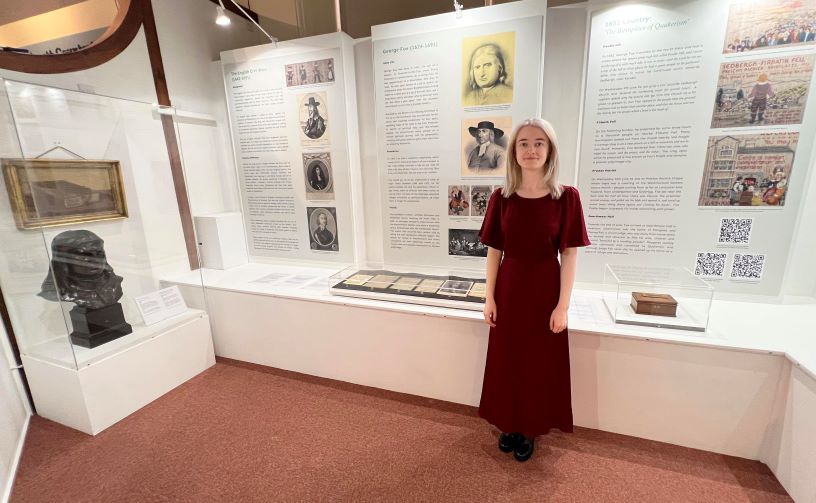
column 697, row 138
column 449, row 89
column 293, row 118
column 89, row 223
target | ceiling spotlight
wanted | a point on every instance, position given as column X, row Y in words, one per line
column 221, row 17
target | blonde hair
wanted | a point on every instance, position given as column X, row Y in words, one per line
column 550, row 165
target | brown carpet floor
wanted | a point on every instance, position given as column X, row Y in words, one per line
column 240, row 432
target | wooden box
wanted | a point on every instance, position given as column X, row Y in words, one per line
column 657, row 304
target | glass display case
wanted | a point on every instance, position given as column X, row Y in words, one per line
column 89, row 225
column 655, row 296
column 433, row 286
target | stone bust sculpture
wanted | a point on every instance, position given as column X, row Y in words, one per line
column 80, row 272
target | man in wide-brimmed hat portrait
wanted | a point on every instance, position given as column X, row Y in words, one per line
column 487, row 154
column 315, row 125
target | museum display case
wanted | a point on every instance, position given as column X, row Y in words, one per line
column 89, row 224
column 433, row 286
column 655, row 296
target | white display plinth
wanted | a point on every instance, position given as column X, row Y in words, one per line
column 737, row 389
column 110, row 385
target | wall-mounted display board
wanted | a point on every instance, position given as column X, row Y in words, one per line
column 293, row 119
column 697, row 135
column 448, row 91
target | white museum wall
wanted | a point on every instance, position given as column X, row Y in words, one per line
column 191, row 44
column 14, row 414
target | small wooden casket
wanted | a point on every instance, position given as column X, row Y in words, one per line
column 657, row 304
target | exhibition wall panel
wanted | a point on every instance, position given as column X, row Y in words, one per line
column 293, row 117
column 697, row 139
column 448, row 91
column 364, row 68
column 563, row 82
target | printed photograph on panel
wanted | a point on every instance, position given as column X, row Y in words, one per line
column 479, row 196
column 487, row 69
column 314, row 119
column 465, row 242
column 456, row 288
column 317, row 175
column 310, row 72
column 748, row 170
column 769, row 24
column 762, row 92
column 484, row 146
column 458, row 200
column 322, row 228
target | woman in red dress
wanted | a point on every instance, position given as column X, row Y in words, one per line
column 528, row 224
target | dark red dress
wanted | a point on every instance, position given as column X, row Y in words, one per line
column 527, row 375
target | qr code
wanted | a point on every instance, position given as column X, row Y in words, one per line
column 747, row 266
column 735, row 230
column 710, row 265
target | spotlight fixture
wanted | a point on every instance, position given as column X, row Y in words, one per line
column 221, row 17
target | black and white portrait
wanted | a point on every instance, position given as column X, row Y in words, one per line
column 323, row 228
column 465, row 242
column 318, row 178
column 484, row 146
column 314, row 120
column 456, row 288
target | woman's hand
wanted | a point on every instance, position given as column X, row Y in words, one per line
column 490, row 312
column 558, row 319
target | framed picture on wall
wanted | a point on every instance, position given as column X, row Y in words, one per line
column 53, row 192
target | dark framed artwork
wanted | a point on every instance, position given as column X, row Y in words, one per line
column 53, row 192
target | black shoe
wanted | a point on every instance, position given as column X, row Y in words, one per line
column 509, row 441
column 524, row 449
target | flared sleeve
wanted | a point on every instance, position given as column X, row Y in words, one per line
column 491, row 233
column 573, row 227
